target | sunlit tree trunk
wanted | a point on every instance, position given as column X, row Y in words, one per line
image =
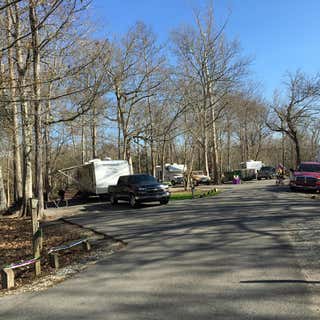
column 94, row 132
column 17, row 174
column 3, row 199
column 33, row 20
column 83, row 142
column 26, row 119
column 47, row 144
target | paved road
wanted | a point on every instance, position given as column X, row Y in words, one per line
column 227, row 257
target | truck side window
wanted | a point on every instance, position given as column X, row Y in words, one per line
column 131, row 179
column 121, row 181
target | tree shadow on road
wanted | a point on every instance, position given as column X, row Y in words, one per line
column 185, row 260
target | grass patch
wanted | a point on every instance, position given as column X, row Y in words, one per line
column 184, row 195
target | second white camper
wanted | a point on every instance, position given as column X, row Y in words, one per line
column 173, row 173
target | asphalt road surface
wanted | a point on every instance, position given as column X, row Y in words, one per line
column 225, row 257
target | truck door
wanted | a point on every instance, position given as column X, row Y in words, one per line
column 123, row 192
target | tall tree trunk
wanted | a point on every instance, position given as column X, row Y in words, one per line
column 205, row 142
column 171, row 156
column 8, row 182
column 27, row 151
column 205, row 152
column 119, row 121
column 146, row 158
column 246, row 143
column 297, row 149
column 129, row 155
column 26, row 119
column 215, row 160
column 47, row 175
column 257, row 154
column 152, row 158
column 283, row 149
column 3, row 199
column 33, row 20
column 94, row 132
column 210, row 97
column 220, row 154
column 83, row 142
column 152, row 151
column 125, row 145
column 119, row 139
column 190, row 169
column 163, row 152
column 139, row 157
column 241, row 145
column 127, row 151
column 229, row 146
column 17, row 174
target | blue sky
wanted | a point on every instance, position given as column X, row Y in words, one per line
column 280, row 35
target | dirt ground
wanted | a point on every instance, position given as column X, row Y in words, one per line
column 16, row 245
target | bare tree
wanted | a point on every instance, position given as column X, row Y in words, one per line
column 215, row 65
column 14, row 110
column 134, row 77
column 301, row 102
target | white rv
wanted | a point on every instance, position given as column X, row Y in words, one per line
column 250, row 168
column 173, row 173
column 251, row 164
column 95, row 176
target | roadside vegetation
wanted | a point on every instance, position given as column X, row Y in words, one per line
column 185, row 195
column 16, row 246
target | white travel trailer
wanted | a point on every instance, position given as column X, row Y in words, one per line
column 95, row 176
column 251, row 168
column 251, row 164
column 173, row 172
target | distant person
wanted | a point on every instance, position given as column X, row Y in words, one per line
column 236, row 179
column 280, row 174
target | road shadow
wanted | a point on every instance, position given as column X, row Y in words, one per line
column 186, row 260
column 280, row 281
column 286, row 189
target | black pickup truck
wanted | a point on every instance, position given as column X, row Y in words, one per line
column 138, row 188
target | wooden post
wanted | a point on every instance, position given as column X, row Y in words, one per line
column 54, row 260
column 7, row 277
column 192, row 189
column 37, row 235
column 86, row 245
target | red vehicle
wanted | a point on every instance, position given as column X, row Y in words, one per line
column 306, row 177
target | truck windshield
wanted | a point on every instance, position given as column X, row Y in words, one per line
column 142, row 179
column 267, row 169
column 309, row 167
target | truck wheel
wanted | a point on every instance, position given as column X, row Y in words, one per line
column 132, row 201
column 164, row 201
column 173, row 182
column 113, row 199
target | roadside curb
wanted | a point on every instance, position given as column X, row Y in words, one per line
column 105, row 236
